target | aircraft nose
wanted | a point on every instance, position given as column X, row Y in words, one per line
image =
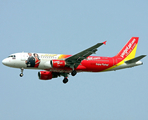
column 5, row 61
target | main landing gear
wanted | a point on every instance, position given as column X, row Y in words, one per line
column 74, row 72
column 65, row 80
column 65, row 75
column 21, row 74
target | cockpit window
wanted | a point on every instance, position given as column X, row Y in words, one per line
column 12, row 56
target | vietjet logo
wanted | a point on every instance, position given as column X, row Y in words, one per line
column 58, row 62
column 126, row 50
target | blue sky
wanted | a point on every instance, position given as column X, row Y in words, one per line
column 69, row 27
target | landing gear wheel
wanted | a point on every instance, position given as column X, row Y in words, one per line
column 65, row 80
column 21, row 75
column 73, row 73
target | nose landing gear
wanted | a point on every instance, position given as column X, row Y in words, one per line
column 21, row 74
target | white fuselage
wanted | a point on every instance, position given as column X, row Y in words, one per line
column 19, row 60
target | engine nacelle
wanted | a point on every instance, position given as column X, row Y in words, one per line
column 46, row 75
column 58, row 63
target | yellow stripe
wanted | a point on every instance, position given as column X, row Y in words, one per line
column 132, row 54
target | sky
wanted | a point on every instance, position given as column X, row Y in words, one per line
column 68, row 27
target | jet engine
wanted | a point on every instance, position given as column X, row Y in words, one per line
column 47, row 75
column 58, row 63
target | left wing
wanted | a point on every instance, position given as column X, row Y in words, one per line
column 74, row 60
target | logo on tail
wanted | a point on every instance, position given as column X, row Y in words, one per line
column 129, row 49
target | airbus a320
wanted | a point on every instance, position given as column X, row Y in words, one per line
column 56, row 65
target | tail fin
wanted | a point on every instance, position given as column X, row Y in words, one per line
column 129, row 50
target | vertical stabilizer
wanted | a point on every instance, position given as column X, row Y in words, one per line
column 129, row 50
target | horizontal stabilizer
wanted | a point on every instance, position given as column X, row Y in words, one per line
column 134, row 60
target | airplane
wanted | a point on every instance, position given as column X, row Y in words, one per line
column 56, row 65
